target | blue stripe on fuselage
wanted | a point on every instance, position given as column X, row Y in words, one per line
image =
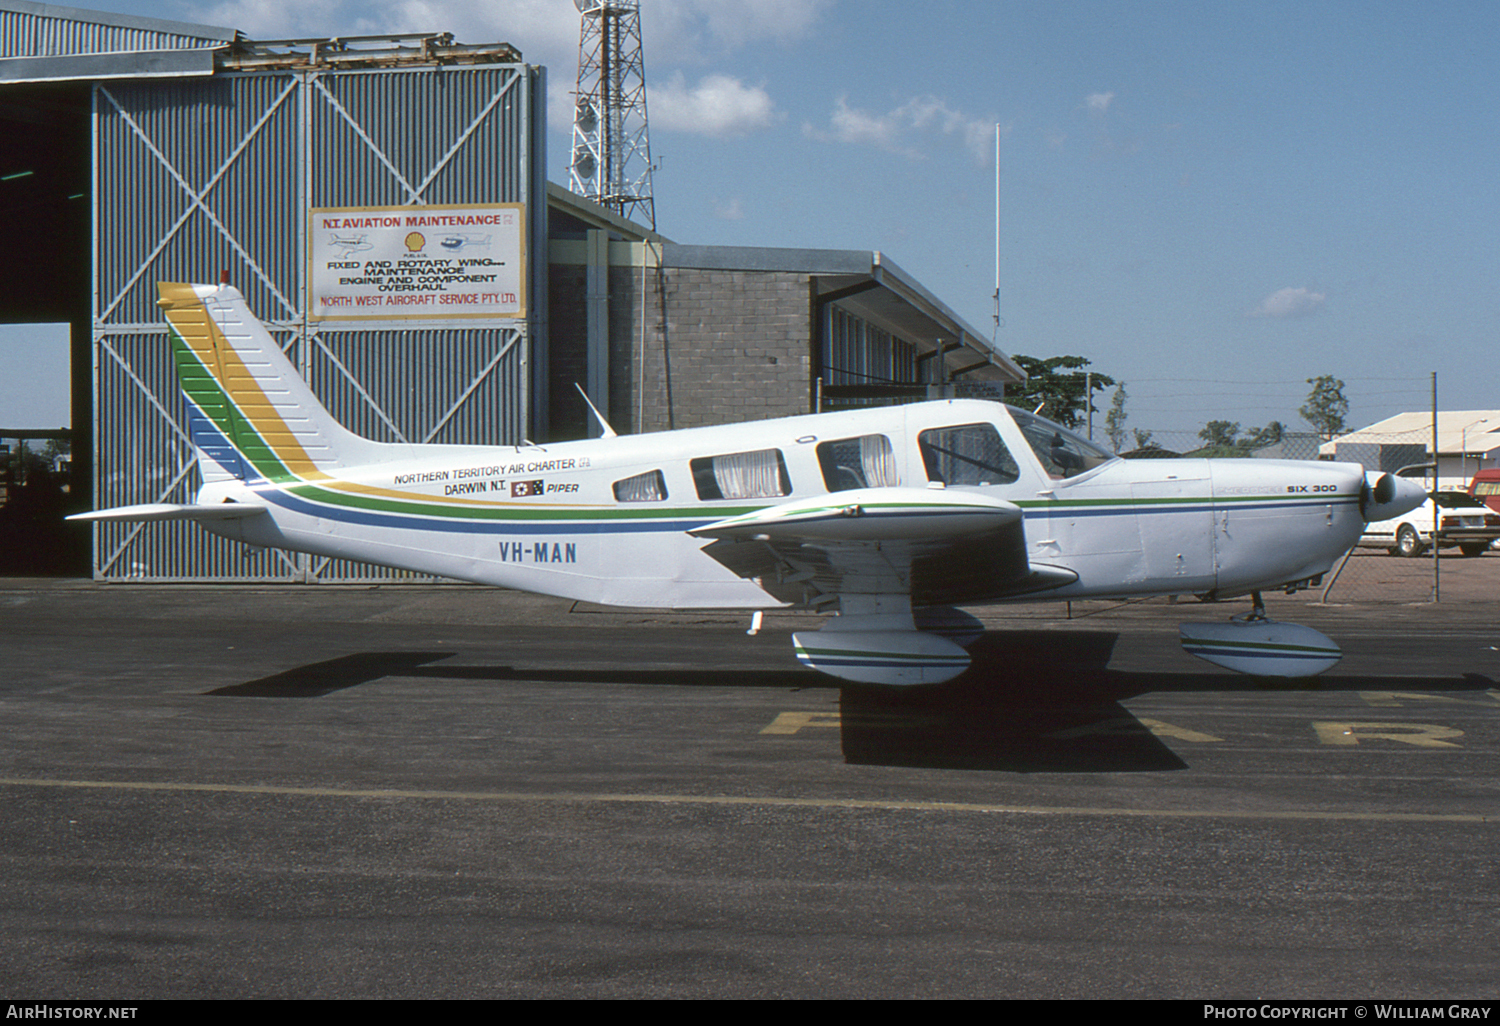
column 450, row 525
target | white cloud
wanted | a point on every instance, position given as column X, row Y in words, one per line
column 848, row 125
column 718, row 106
column 1289, row 302
column 275, row 19
column 909, row 129
column 1098, row 103
column 692, row 30
column 729, row 210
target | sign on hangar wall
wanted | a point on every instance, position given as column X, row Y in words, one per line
column 417, row 262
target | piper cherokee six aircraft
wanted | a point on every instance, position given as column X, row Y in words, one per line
column 889, row 517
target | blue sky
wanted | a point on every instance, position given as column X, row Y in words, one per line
column 1213, row 202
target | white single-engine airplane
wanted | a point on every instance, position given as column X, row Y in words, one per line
column 888, row 516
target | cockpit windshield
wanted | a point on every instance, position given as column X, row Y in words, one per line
column 1062, row 453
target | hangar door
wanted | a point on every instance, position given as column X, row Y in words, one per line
column 195, row 178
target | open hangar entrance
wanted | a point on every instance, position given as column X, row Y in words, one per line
column 44, row 300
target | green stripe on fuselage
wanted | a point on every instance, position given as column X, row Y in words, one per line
column 204, row 390
column 419, row 505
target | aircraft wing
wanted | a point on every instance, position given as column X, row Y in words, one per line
column 935, row 546
column 877, row 552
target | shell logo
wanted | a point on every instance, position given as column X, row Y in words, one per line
column 415, row 241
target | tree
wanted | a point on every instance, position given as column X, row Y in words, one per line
column 1326, row 406
column 1058, row 385
column 1259, row 438
column 1114, row 420
column 1220, row 433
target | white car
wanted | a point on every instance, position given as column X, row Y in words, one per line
column 1462, row 520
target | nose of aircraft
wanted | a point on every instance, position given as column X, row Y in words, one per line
column 1385, row 496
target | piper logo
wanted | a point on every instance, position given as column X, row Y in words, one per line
column 519, row 489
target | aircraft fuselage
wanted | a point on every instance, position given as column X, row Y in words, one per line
column 606, row 520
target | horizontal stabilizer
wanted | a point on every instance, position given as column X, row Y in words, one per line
column 171, row 511
column 1263, row 648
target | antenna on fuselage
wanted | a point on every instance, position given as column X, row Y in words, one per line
column 605, row 430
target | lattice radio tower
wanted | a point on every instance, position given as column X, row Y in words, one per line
column 611, row 160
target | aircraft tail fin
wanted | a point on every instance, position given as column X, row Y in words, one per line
column 252, row 415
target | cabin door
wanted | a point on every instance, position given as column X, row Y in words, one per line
column 1175, row 516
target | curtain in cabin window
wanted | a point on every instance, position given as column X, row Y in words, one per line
column 647, row 487
column 748, row 475
column 879, row 461
column 741, row 475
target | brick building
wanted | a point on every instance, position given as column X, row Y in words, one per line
column 729, row 334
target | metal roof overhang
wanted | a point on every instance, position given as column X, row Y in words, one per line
column 111, row 20
column 889, row 297
column 871, row 286
column 598, row 216
column 197, row 62
column 50, row 43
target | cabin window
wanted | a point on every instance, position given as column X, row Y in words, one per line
column 1062, row 453
column 741, row 475
column 864, row 462
column 648, row 487
column 972, row 454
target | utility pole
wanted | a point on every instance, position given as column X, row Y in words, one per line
column 997, row 234
column 1437, row 580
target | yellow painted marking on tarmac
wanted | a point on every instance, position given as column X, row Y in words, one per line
column 791, row 722
column 1163, row 729
column 1423, row 735
column 1393, row 699
column 765, row 801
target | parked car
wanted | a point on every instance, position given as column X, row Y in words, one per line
column 1463, row 520
column 1486, row 488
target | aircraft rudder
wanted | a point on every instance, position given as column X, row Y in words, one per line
column 251, row 412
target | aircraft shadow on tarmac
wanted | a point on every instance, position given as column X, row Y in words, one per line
column 1031, row 702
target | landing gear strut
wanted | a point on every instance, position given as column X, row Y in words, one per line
column 1257, row 610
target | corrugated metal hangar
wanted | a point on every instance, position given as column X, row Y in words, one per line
column 332, row 181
